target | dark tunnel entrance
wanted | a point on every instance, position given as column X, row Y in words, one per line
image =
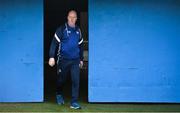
column 55, row 12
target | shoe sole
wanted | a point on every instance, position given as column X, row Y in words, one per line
column 75, row 107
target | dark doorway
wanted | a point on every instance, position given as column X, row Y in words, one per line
column 55, row 13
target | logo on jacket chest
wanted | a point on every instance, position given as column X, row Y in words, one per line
column 77, row 32
column 69, row 33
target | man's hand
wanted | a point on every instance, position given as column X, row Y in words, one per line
column 81, row 64
column 51, row 62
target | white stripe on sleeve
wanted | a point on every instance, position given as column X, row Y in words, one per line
column 57, row 38
column 80, row 41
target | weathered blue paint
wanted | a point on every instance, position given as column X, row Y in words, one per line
column 134, row 51
column 21, row 48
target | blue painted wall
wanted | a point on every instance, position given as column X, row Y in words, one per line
column 21, row 48
column 134, row 51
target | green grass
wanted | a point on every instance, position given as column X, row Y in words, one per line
column 50, row 106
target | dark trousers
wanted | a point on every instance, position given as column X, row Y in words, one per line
column 62, row 68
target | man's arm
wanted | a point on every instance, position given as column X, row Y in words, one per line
column 81, row 51
column 52, row 51
column 81, row 47
column 55, row 42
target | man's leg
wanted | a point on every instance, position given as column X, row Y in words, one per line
column 75, row 76
column 62, row 70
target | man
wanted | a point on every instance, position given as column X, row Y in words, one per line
column 69, row 40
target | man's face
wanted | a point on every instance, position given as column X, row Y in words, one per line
column 72, row 17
